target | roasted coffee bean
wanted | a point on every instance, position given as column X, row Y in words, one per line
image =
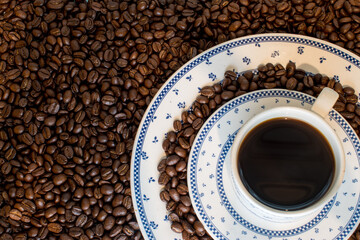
column 291, row 83
column 183, row 143
column 108, row 100
column 15, row 214
column 75, row 232
column 12, row 74
column 164, row 196
column 6, row 168
column 28, row 206
column 177, row 227
column 188, row 227
column 177, row 125
column 174, row 195
column 10, row 153
column 181, row 152
column 349, row 91
column 207, row 91
column 54, row 227
column 172, row 160
column 197, row 123
column 163, row 179
column 59, row 179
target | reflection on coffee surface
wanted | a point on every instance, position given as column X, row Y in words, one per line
column 286, row 164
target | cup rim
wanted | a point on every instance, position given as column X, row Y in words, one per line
column 338, row 173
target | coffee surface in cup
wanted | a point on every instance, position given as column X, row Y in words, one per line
column 286, row 164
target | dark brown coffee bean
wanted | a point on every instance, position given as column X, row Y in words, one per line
column 180, row 166
column 197, row 123
column 107, row 189
column 119, row 211
column 6, row 111
column 349, row 90
column 27, row 116
column 59, row 179
column 187, row 227
column 164, row 196
column 108, row 100
column 174, row 195
column 172, row 160
column 54, row 227
column 183, row 143
column 68, row 152
column 177, row 227
column 290, row 69
column 75, row 232
column 43, row 74
column 348, row 115
column 29, row 206
column 6, row 236
column 170, row 171
column 291, row 83
column 226, row 95
column 55, row 4
column 10, row 154
column 6, row 168
column 15, row 214
column 27, row 139
column 207, row 91
column 180, row 152
column 199, row 228
column 177, row 125
column 182, row 189
column 12, row 74
column 352, row 99
column 53, row 108
column 61, row 159
column 163, row 179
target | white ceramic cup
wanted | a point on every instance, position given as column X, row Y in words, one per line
column 315, row 118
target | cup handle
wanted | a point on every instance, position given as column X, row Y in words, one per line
column 325, row 101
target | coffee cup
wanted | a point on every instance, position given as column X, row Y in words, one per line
column 288, row 162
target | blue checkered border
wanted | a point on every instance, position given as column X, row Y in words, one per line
column 181, row 73
column 203, row 135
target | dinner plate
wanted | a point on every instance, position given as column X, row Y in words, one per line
column 178, row 93
column 212, row 192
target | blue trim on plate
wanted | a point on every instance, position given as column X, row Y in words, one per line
column 251, row 40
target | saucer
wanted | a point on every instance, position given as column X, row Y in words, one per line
column 182, row 88
column 211, row 190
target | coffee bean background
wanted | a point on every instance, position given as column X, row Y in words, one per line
column 77, row 76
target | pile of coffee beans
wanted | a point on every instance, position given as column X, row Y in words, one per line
column 177, row 145
column 76, row 78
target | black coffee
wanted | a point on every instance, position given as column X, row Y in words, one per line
column 286, row 164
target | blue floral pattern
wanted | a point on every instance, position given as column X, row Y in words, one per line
column 275, row 54
column 246, row 60
column 212, row 76
column 300, row 49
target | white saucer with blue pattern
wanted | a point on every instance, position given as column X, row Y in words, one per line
column 178, row 93
column 211, row 189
